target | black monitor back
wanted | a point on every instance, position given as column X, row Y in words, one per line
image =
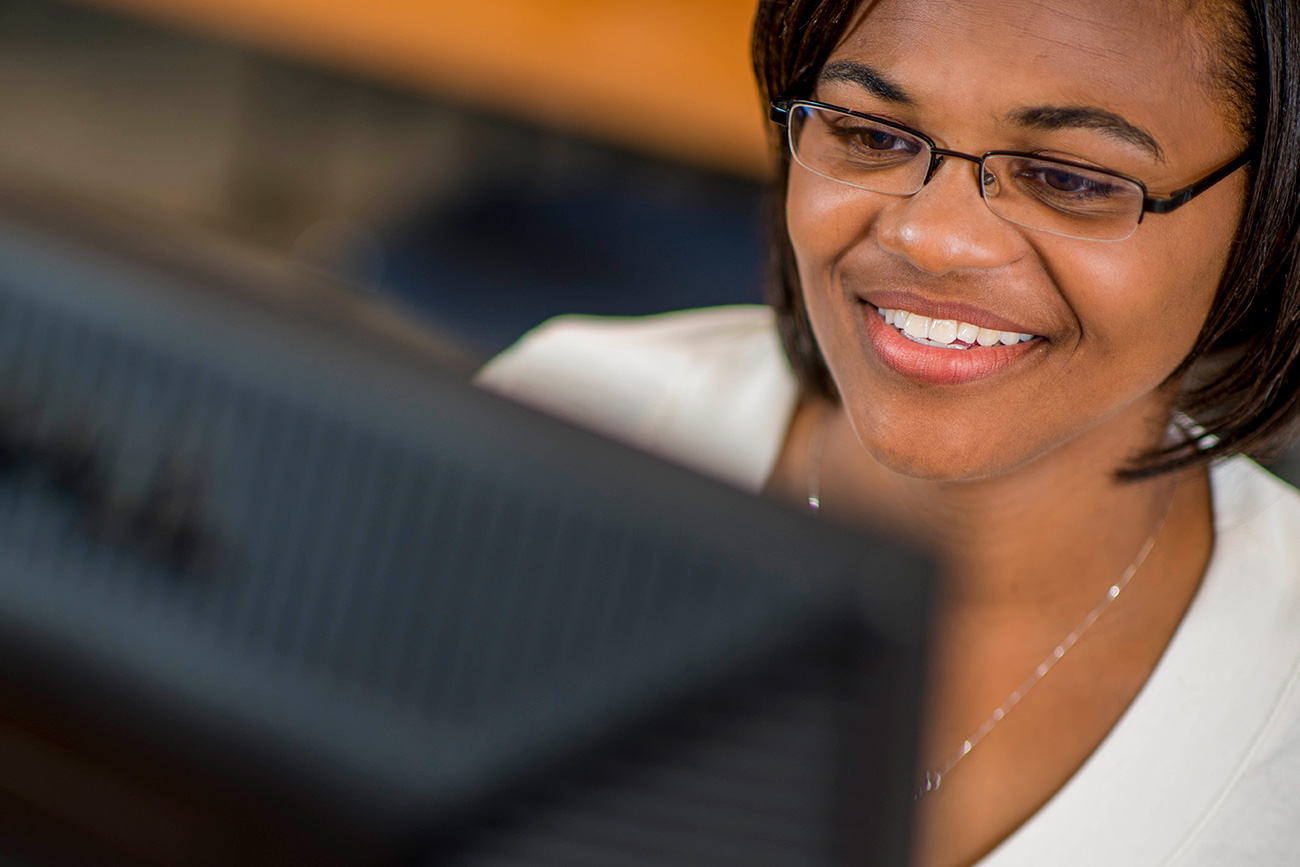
column 340, row 606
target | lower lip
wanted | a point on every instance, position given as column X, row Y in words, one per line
column 933, row 364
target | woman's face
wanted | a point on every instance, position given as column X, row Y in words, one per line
column 1110, row 83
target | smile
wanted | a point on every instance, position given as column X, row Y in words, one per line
column 924, row 349
column 948, row 333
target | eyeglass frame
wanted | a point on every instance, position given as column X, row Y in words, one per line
column 779, row 112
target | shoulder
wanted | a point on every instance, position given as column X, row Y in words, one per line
column 1255, row 562
column 1256, row 520
column 1250, row 602
column 710, row 388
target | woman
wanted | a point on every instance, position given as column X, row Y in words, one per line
column 1017, row 242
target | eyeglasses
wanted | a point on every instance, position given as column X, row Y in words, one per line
column 1057, row 196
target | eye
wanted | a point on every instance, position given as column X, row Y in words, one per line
column 877, row 145
column 1062, row 181
column 873, row 138
column 1049, row 187
column 880, row 140
column 841, row 145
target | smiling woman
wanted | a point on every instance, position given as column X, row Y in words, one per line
column 1036, row 283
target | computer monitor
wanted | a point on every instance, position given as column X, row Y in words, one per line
column 279, row 586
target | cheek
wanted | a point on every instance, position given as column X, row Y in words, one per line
column 1145, row 304
column 825, row 221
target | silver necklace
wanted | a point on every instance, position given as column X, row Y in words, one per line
column 933, row 778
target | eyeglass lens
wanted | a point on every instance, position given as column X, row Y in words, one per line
column 1034, row 192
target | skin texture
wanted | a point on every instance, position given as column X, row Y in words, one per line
column 1011, row 477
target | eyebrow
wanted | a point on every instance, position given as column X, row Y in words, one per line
column 1036, row 117
column 1088, row 117
column 867, row 78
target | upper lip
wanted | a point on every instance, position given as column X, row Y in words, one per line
column 897, row 300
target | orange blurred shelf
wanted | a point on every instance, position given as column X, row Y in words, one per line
column 666, row 76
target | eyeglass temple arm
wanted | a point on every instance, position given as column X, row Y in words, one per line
column 778, row 111
column 1178, row 198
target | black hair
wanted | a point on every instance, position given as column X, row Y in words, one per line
column 1243, row 372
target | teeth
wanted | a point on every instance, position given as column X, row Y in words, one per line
column 945, row 332
column 917, row 326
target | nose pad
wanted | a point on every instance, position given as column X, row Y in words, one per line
column 989, row 184
column 934, row 167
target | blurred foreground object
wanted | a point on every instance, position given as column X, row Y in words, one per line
column 289, row 590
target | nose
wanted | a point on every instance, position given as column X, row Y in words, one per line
column 946, row 226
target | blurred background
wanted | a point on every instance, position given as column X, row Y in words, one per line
column 484, row 165
column 480, row 166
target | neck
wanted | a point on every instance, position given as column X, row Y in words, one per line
column 1056, row 530
column 1031, row 553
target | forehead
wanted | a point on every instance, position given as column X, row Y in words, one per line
column 982, row 59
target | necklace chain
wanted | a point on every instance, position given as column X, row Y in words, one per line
column 933, row 778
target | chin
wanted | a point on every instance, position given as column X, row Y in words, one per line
column 930, row 467
column 937, row 454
